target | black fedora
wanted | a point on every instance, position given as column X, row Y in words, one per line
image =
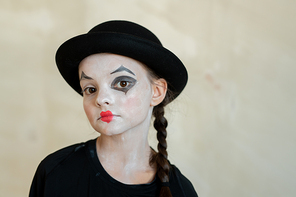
column 122, row 38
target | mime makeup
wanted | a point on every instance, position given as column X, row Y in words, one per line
column 106, row 116
column 84, row 76
column 122, row 68
column 123, row 83
column 116, row 93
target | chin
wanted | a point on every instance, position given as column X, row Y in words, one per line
column 108, row 130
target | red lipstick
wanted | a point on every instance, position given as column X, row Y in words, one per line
column 106, row 116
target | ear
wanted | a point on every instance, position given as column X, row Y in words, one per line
column 159, row 88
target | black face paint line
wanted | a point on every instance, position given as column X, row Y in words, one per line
column 123, row 83
column 122, row 68
column 84, row 76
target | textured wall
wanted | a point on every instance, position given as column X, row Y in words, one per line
column 232, row 131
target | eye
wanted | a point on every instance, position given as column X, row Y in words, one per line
column 123, row 83
column 89, row 90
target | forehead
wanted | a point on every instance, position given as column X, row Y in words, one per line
column 106, row 63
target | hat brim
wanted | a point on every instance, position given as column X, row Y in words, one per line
column 163, row 62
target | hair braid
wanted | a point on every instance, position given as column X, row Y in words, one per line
column 160, row 158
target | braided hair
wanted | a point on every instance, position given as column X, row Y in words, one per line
column 160, row 158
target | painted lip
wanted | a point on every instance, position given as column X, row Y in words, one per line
column 106, row 116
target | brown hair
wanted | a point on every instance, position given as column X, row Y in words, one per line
column 160, row 158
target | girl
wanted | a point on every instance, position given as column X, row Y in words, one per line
column 125, row 76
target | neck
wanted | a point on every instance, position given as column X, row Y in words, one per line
column 127, row 147
column 126, row 156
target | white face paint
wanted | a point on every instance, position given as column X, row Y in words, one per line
column 117, row 93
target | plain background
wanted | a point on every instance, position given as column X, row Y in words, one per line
column 231, row 132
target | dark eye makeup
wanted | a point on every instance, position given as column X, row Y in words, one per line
column 123, row 83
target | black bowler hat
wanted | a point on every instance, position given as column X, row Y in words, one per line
column 122, row 38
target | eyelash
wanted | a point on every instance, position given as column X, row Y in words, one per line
column 117, row 86
column 130, row 82
column 86, row 90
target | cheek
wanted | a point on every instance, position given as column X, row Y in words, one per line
column 87, row 110
column 138, row 101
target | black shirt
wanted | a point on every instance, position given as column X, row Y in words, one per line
column 76, row 171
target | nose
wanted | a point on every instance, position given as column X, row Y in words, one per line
column 104, row 97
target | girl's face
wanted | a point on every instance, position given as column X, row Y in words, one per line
column 117, row 93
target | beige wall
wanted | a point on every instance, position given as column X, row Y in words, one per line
column 232, row 132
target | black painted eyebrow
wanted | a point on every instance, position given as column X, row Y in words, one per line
column 122, row 68
column 84, row 76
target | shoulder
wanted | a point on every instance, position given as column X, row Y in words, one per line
column 180, row 185
column 53, row 160
column 55, row 164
